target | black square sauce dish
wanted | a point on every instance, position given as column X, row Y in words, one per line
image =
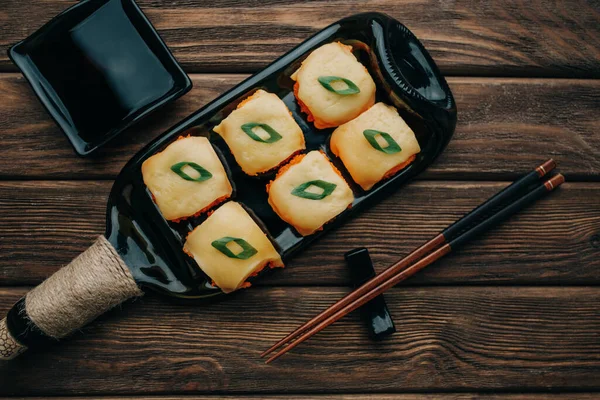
column 98, row 68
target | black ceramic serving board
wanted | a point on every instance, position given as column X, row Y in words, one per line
column 406, row 77
column 99, row 67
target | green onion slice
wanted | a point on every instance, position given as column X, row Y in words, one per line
column 392, row 146
column 178, row 169
column 247, row 249
column 327, row 187
column 274, row 136
column 326, row 81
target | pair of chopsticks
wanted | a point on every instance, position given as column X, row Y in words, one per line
column 500, row 207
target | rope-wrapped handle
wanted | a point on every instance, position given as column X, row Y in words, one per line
column 9, row 347
column 93, row 283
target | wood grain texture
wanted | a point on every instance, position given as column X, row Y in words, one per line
column 556, row 241
column 458, row 337
column 465, row 37
column 505, row 128
column 449, row 339
column 365, row 396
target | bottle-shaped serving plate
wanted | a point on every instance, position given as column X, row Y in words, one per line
column 406, row 77
column 151, row 248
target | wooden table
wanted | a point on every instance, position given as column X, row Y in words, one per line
column 517, row 311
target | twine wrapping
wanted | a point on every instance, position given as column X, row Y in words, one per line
column 93, row 283
column 9, row 347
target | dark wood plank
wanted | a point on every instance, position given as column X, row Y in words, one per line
column 506, row 127
column 379, row 396
column 466, row 37
column 449, row 339
column 557, row 241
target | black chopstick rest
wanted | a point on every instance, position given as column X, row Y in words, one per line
column 375, row 313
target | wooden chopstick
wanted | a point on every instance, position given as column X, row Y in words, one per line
column 446, row 248
column 499, row 200
column 494, row 220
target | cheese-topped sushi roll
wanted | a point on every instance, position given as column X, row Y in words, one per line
column 308, row 192
column 261, row 133
column 230, row 247
column 375, row 145
column 332, row 87
column 186, row 178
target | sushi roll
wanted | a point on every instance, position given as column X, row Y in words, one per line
column 230, row 247
column 186, row 179
column 332, row 87
column 261, row 133
column 375, row 145
column 309, row 192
